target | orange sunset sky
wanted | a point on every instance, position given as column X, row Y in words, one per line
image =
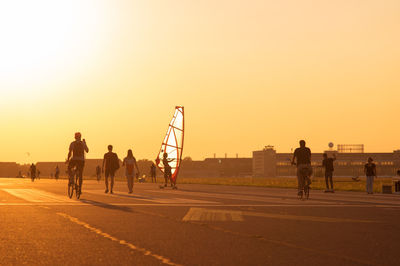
column 249, row 73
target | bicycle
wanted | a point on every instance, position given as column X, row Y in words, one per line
column 305, row 182
column 73, row 184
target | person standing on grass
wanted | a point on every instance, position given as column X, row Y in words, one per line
column 370, row 172
column 130, row 164
column 110, row 166
column 327, row 163
column 153, row 173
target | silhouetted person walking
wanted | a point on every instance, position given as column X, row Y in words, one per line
column 57, row 174
column 32, row 168
column 110, row 166
column 302, row 159
column 98, row 172
column 370, row 172
column 153, row 173
column 76, row 158
column 130, row 164
column 327, row 163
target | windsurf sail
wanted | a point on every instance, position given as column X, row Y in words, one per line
column 173, row 143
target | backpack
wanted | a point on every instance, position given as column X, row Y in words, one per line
column 79, row 149
column 115, row 162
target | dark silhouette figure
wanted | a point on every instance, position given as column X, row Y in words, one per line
column 167, row 170
column 130, row 164
column 302, row 159
column 57, row 173
column 110, row 166
column 98, row 173
column 327, row 163
column 370, row 172
column 76, row 158
column 153, row 173
column 32, row 169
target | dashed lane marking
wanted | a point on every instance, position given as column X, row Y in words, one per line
column 121, row 242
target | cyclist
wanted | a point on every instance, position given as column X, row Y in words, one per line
column 76, row 158
column 302, row 159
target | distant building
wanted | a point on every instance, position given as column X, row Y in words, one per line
column 217, row 167
column 9, row 169
column 264, row 162
column 269, row 163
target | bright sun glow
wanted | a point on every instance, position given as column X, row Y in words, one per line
column 43, row 38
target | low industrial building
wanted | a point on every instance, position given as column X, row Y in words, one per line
column 268, row 163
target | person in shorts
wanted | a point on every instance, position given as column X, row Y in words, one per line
column 302, row 159
column 110, row 166
column 76, row 158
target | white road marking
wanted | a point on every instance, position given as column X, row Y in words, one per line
column 201, row 214
column 121, row 242
column 305, row 218
column 283, row 198
column 35, row 195
column 152, row 199
column 266, row 198
column 78, row 203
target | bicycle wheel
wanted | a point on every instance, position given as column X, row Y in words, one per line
column 77, row 192
column 70, row 189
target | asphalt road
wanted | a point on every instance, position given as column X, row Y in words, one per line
column 195, row 225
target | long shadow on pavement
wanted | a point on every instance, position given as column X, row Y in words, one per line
column 106, row 206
